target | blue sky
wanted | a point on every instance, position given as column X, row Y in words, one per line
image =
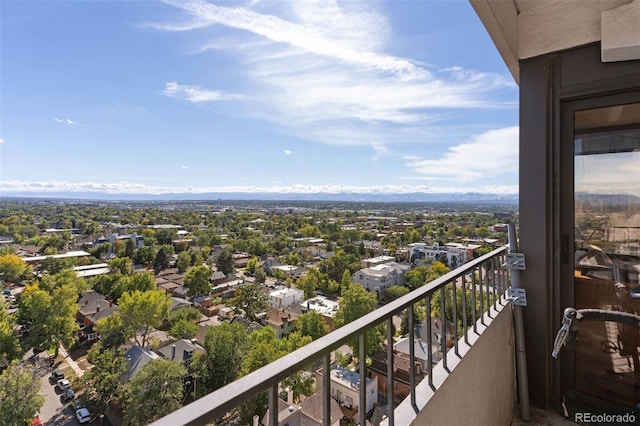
column 302, row 96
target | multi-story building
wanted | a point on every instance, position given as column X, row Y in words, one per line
column 420, row 252
column 380, row 277
column 284, row 297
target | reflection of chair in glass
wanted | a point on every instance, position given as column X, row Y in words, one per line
column 628, row 342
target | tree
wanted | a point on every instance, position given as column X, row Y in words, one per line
column 312, row 324
column 120, row 265
column 166, row 235
column 155, row 391
column 224, row 262
column 184, row 329
column 143, row 255
column 346, row 281
column 103, row 383
column 19, row 395
column 63, row 325
column 53, row 265
column 357, row 302
column 263, row 349
column 161, row 260
column 143, row 311
column 251, row 299
column 9, row 343
column 112, row 331
column 261, row 276
column 221, row 361
column 198, row 280
column 12, row 267
column 395, row 292
column 50, row 283
column 252, row 264
column 183, row 262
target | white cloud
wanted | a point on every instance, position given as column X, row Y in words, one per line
column 487, row 155
column 324, row 73
column 184, row 167
column 14, row 186
column 65, row 121
column 288, row 152
column 194, row 94
column 1, row 140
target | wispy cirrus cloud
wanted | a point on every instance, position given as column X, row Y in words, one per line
column 194, row 94
column 288, row 151
column 322, row 71
column 65, row 121
column 486, row 155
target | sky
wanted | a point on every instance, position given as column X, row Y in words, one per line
column 253, row 96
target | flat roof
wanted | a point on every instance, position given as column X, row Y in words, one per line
column 78, row 253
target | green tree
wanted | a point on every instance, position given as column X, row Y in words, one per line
column 312, row 324
column 143, row 255
column 252, row 264
column 251, row 299
column 120, row 265
column 9, row 343
column 166, row 235
column 53, row 265
column 155, row 391
column 346, row 281
column 19, row 395
column 161, row 260
column 224, row 262
column 112, row 331
column 198, row 280
column 143, row 311
column 395, row 292
column 221, row 361
column 183, row 262
column 261, row 276
column 102, row 383
column 357, row 302
column 12, row 267
column 183, row 329
column 63, row 325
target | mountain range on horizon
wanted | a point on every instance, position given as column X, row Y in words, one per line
column 273, row 196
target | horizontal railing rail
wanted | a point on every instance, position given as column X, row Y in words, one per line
column 485, row 278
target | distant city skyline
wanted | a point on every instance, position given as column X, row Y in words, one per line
column 195, row 97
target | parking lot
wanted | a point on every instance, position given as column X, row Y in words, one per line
column 54, row 411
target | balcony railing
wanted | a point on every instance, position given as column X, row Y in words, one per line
column 484, row 281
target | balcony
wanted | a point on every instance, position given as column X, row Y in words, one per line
column 469, row 377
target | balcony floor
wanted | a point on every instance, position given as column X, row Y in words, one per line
column 541, row 417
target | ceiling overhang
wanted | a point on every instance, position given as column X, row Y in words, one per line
column 522, row 29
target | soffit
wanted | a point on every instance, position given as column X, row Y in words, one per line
column 522, row 29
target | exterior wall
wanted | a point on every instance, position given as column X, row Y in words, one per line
column 548, row 85
column 480, row 389
column 455, row 256
column 280, row 299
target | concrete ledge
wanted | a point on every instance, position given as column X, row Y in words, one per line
column 480, row 388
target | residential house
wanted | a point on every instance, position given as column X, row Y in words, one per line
column 91, row 307
column 180, row 350
column 345, row 387
column 308, row 413
column 401, row 373
column 136, row 358
column 179, row 303
column 282, row 322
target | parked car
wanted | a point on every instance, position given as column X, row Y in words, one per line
column 83, row 415
column 6, row 292
column 68, row 395
column 63, row 384
column 56, row 375
column 77, row 404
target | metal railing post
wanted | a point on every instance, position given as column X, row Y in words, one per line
column 518, row 323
